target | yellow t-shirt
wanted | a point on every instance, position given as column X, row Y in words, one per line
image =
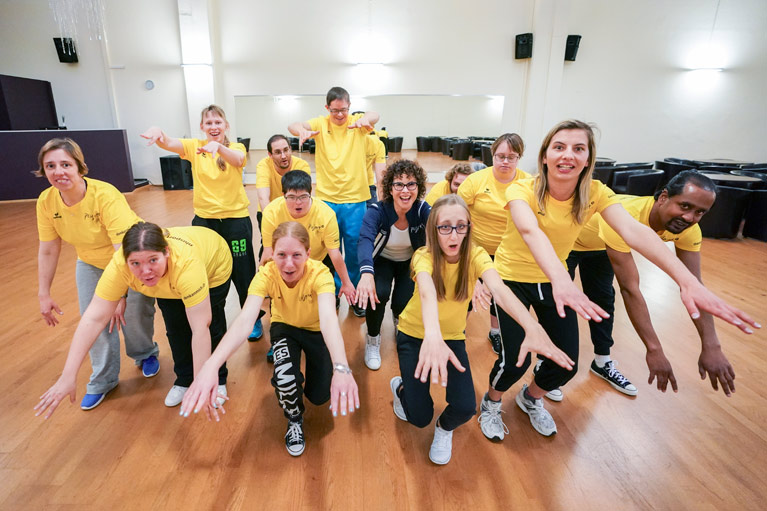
column 92, row 226
column 296, row 306
column 375, row 152
column 199, row 260
column 268, row 177
column 437, row 191
column 320, row 221
column 514, row 259
column 339, row 160
column 486, row 198
column 639, row 207
column 217, row 193
column 452, row 313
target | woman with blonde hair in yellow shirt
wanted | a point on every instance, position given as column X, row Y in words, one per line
column 303, row 319
column 548, row 213
column 93, row 216
column 431, row 336
column 188, row 270
column 220, row 201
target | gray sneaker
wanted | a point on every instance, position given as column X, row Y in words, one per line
column 554, row 395
column 441, row 447
column 395, row 383
column 490, row 421
column 539, row 417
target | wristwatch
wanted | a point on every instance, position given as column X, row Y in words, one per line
column 342, row 368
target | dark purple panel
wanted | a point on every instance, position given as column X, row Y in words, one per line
column 106, row 154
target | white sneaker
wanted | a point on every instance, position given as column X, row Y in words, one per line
column 490, row 421
column 394, row 383
column 540, row 418
column 554, row 395
column 175, row 396
column 221, row 390
column 441, row 446
column 373, row 352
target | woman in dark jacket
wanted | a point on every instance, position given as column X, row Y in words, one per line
column 391, row 231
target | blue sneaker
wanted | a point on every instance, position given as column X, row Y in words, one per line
column 257, row 333
column 270, row 355
column 150, row 366
column 91, row 401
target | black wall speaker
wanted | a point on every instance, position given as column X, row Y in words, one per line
column 524, row 46
column 571, row 50
column 176, row 173
column 66, row 49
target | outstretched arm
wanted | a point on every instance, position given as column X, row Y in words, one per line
column 343, row 389
column 347, row 288
column 628, row 279
column 303, row 131
column 47, row 259
column 694, row 295
column 366, row 122
column 94, row 320
column 156, row 136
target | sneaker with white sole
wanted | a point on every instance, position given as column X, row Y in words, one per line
column 150, row 366
column 294, row 438
column 611, row 375
column 91, row 401
column 490, row 420
column 540, row 418
column 373, row 352
column 395, row 384
column 554, row 395
column 175, row 396
column 221, row 390
column 441, row 447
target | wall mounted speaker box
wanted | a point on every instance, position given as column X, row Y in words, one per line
column 176, row 173
column 571, row 50
column 65, row 47
column 524, row 46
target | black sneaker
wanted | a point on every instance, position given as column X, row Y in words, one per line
column 294, row 438
column 611, row 375
column 358, row 311
column 495, row 342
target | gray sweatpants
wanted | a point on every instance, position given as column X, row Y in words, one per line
column 138, row 331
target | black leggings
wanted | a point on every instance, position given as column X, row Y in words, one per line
column 562, row 331
column 180, row 333
column 597, row 282
column 386, row 273
column 416, row 395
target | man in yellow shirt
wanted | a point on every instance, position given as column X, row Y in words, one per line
column 375, row 162
column 673, row 214
column 269, row 170
column 342, row 182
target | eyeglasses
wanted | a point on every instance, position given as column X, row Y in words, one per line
column 506, row 158
column 298, row 198
column 412, row 185
column 446, row 230
column 336, row 111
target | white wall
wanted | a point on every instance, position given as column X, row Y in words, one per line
column 627, row 76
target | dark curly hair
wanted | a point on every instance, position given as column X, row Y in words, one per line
column 400, row 168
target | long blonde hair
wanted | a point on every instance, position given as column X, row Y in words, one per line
column 582, row 188
column 217, row 110
column 438, row 258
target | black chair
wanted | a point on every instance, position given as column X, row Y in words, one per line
column 670, row 170
column 645, row 165
column 604, row 174
column 620, row 179
column 245, row 142
column 446, row 143
column 752, row 166
column 395, row 144
column 644, row 183
column 423, row 144
column 461, row 149
column 756, row 216
column 436, row 144
column 717, row 168
column 293, row 143
column 682, row 161
column 724, row 218
column 604, row 162
column 750, row 173
column 487, row 155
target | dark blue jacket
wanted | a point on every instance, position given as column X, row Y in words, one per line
column 376, row 228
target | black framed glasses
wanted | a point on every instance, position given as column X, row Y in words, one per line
column 298, row 198
column 446, row 230
column 412, row 185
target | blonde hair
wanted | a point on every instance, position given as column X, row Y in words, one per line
column 582, row 188
column 291, row 230
column 217, row 110
column 69, row 146
column 438, row 258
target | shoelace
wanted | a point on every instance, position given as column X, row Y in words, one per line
column 295, row 434
column 493, row 417
column 443, row 440
column 613, row 373
column 374, row 341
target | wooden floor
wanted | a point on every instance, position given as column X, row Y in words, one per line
column 694, row 450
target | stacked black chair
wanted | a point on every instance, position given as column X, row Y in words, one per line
column 245, row 142
column 436, row 144
column 762, row 177
column 670, row 170
column 395, row 144
column 717, row 168
column 423, row 144
column 293, row 141
column 756, row 216
column 724, row 218
column 461, row 149
column 487, row 155
column 605, row 174
column 645, row 165
column 604, row 162
column 644, row 183
column 691, row 163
